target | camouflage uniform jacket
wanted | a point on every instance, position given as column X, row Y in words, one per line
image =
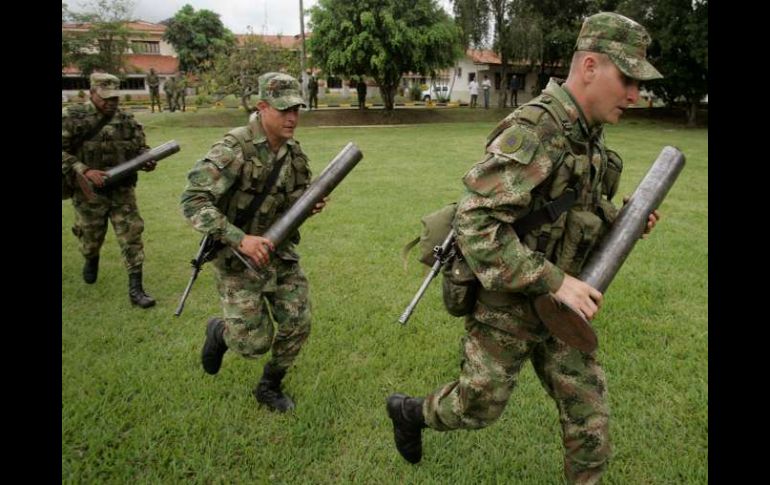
column 531, row 158
column 153, row 81
column 118, row 141
column 223, row 182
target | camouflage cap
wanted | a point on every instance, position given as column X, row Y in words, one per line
column 622, row 39
column 280, row 90
column 105, row 85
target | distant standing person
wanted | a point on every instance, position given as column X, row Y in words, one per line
column 473, row 88
column 181, row 91
column 514, row 87
column 169, row 87
column 361, row 89
column 312, row 88
column 486, row 85
column 153, row 82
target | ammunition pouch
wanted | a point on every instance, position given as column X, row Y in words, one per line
column 459, row 287
column 611, row 179
column 583, row 230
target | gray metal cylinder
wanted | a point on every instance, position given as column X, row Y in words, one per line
column 331, row 176
column 116, row 174
column 629, row 225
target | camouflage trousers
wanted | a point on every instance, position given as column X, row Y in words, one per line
column 119, row 206
column 249, row 301
column 491, row 362
column 155, row 98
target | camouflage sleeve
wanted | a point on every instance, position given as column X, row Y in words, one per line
column 207, row 182
column 139, row 137
column 498, row 191
column 69, row 161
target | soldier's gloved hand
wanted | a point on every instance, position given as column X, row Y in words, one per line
column 652, row 219
column 257, row 248
column 96, row 177
column 580, row 296
column 319, row 206
column 149, row 166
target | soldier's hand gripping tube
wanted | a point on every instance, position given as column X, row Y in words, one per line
column 570, row 325
column 120, row 172
column 327, row 180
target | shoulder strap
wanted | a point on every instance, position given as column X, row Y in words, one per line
column 244, row 137
column 241, row 217
column 74, row 147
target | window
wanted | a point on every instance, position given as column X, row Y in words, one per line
column 72, row 83
column 145, row 47
column 471, row 76
column 497, row 80
column 132, row 83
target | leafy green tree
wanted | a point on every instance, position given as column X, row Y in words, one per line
column 237, row 72
column 679, row 49
column 383, row 39
column 105, row 43
column 198, row 37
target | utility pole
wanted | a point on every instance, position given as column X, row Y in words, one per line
column 302, row 58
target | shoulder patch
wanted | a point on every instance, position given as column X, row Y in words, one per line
column 516, row 143
column 220, row 155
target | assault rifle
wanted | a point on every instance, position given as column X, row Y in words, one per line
column 442, row 254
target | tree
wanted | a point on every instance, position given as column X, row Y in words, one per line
column 198, row 38
column 679, row 49
column 383, row 39
column 237, row 73
column 104, row 44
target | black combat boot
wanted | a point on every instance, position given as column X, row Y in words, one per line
column 408, row 422
column 214, row 347
column 136, row 293
column 91, row 269
column 268, row 390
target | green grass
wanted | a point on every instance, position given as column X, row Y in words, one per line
column 137, row 407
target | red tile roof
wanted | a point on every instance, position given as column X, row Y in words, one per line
column 282, row 41
column 135, row 26
column 483, row 56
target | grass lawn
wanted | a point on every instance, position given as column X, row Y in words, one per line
column 137, row 406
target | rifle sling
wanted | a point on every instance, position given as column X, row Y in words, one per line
column 547, row 213
column 241, row 217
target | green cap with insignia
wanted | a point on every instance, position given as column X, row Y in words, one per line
column 280, row 90
column 105, row 85
column 622, row 39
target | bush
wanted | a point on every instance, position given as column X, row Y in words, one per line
column 202, row 99
column 127, row 98
column 415, row 92
column 81, row 94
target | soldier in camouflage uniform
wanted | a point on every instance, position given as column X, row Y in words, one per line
column 96, row 136
column 153, row 82
column 220, row 186
column 548, row 146
column 181, row 91
column 170, row 88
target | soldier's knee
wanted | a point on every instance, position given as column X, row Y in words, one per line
column 246, row 340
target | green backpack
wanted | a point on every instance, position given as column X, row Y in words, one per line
column 459, row 285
